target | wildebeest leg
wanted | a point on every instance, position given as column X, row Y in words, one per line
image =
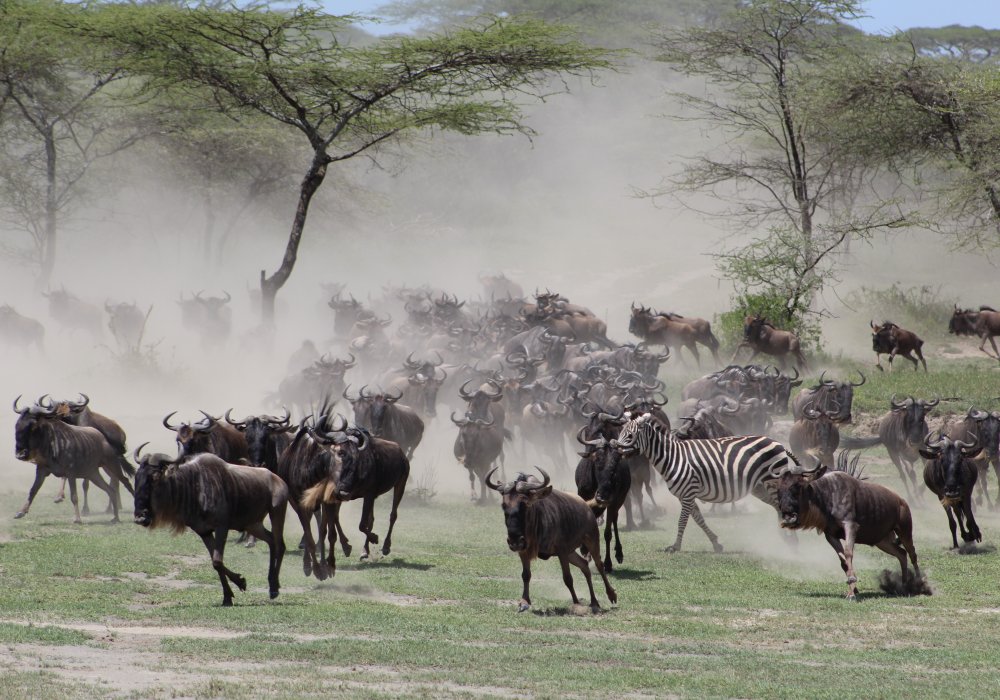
column 982, row 469
column 309, row 560
column 568, row 577
column 629, row 522
column 345, row 545
column 693, row 348
column 953, row 526
column 109, row 487
column 73, row 499
column 215, row 542
column 982, row 346
column 525, row 602
column 276, row 547
column 889, row 546
column 40, row 474
column 878, row 362
column 920, row 354
column 970, row 532
column 593, row 545
column 845, row 551
column 397, row 496
column 696, row 512
column 902, row 475
column 736, row 352
column 367, row 523
column 619, row 553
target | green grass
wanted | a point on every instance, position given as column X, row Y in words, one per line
column 437, row 618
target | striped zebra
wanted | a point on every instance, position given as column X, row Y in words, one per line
column 720, row 470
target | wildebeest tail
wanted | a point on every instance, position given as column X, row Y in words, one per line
column 127, row 468
column 849, row 442
column 713, row 342
column 314, row 496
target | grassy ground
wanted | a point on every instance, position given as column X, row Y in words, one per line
column 114, row 610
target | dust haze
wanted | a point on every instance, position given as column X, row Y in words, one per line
column 555, row 213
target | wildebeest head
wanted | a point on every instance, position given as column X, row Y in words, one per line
column 259, row 432
column 378, row 412
column 828, row 392
column 480, row 399
column 947, row 456
column 963, row 321
column 29, row 429
column 152, row 467
column 641, row 318
column 192, row 438
column 914, row 412
column 425, row 378
column 882, row 336
column 752, row 327
column 517, row 497
column 351, row 448
column 987, row 428
column 793, row 496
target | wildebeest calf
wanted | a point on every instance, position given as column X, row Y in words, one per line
column 213, row 497
column 843, row 507
column 543, row 523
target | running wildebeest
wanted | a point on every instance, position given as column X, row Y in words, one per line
column 950, row 473
column 892, row 340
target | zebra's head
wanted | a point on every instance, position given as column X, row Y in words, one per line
column 628, row 439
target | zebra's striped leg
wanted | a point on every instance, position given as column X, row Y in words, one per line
column 686, row 507
column 696, row 512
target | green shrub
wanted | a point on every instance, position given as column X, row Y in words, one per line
column 729, row 325
column 920, row 309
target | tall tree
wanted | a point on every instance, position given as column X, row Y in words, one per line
column 345, row 100
column 772, row 164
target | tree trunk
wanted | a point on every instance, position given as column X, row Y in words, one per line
column 51, row 213
column 269, row 286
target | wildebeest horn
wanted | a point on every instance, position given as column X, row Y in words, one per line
column 932, row 403
column 274, row 420
column 458, row 422
column 45, row 401
column 862, row 379
column 897, row 405
column 463, row 392
column 976, row 414
column 394, row 399
column 166, row 422
column 234, row 423
column 362, row 394
column 349, row 363
column 210, row 419
column 496, row 486
column 410, row 363
column 822, row 379
column 80, row 404
column 21, row 411
column 346, row 397
column 228, row 298
column 440, row 360
column 936, row 445
column 525, row 487
column 135, row 453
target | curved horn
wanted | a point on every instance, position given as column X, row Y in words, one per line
column 235, row 424
column 862, row 379
column 348, row 398
column 166, row 422
column 135, row 453
column 496, row 486
column 463, row 392
column 410, row 363
column 274, row 420
column 822, row 379
column 80, row 404
column 362, row 394
column 976, row 414
column 228, row 298
column 440, row 360
column 210, row 419
column 458, row 422
column 349, row 363
column 895, row 404
column 394, row 399
column 21, row 411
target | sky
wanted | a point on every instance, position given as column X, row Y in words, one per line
column 885, row 15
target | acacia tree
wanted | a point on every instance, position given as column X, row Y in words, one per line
column 772, row 163
column 345, row 99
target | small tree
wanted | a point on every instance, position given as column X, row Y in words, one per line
column 344, row 100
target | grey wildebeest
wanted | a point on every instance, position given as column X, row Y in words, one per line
column 825, row 394
column 543, row 523
column 950, row 473
column 478, row 447
column 213, row 497
column 665, row 331
column 209, row 317
column 843, row 507
column 982, row 428
column 369, row 467
column 20, row 331
column 761, row 336
column 208, row 435
column 127, row 323
column 703, row 328
column 73, row 313
column 892, row 340
column 381, row 415
column 984, row 323
column 65, row 450
column 814, row 437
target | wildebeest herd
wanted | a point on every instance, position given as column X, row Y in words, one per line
column 523, row 378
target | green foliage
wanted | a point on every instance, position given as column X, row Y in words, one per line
column 919, row 308
column 773, row 307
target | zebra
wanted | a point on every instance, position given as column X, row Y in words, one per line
column 720, row 470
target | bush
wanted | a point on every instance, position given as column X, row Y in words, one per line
column 729, row 325
column 920, row 309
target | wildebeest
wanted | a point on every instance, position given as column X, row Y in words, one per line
column 208, row 435
column 127, row 323
column 210, row 317
column 309, row 386
column 20, row 331
column 478, row 447
column 703, row 328
column 984, row 323
column 761, row 336
column 982, row 428
column 663, row 330
column 72, row 312
column 213, row 497
column 890, row 339
column 385, row 418
column 951, row 475
column 347, row 313
column 369, row 467
column 603, row 480
column 825, row 394
column 65, row 450
column 543, row 523
column 814, row 437
column 419, row 382
column 843, row 507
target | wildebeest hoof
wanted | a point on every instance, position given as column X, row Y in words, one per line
column 346, row 549
column 373, row 538
column 20, row 514
column 307, row 567
column 852, row 597
column 59, row 499
column 115, row 521
column 619, row 557
column 363, row 557
column 607, row 565
column 251, row 543
column 273, row 594
column 852, row 579
column 227, row 602
column 522, row 606
column 77, row 521
column 595, row 609
column 241, row 582
column 672, row 548
column 385, row 550
column 85, row 510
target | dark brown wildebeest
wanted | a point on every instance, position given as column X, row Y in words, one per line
column 213, row 497
column 369, row 467
column 705, row 336
column 478, row 447
column 984, row 323
column 950, row 473
column 843, row 507
column 983, row 428
column 761, row 336
column 814, row 437
column 890, row 339
column 543, row 523
column 208, row 435
column 604, row 481
column 65, row 450
column 661, row 330
column 20, row 331
column 825, row 394
column 381, row 415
